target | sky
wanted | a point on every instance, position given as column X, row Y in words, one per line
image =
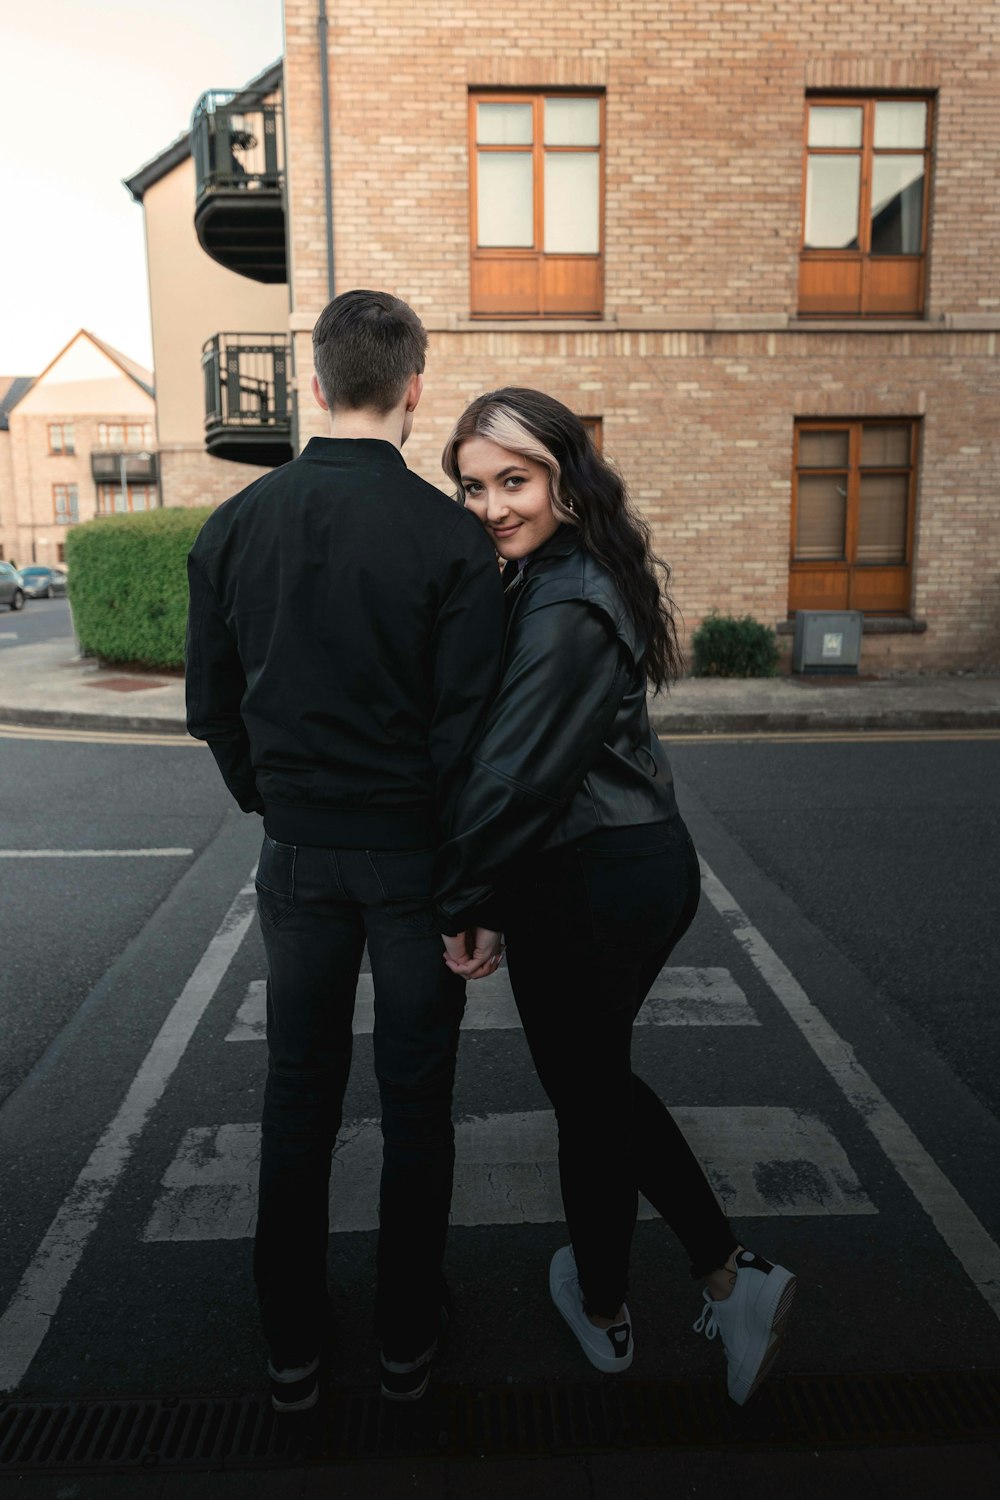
column 94, row 89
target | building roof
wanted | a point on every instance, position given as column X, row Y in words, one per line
column 142, row 377
column 12, row 388
column 131, row 367
column 180, row 148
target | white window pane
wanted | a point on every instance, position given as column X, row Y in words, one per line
column 505, row 207
column 900, row 123
column 572, row 122
column 834, row 125
column 503, row 124
column 832, row 186
column 572, row 195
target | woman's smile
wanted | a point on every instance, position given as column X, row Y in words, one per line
column 510, row 495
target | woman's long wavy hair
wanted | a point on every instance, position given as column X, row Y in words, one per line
column 586, row 492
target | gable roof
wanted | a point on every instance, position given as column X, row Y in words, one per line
column 12, row 388
column 132, row 368
column 142, row 377
column 180, row 148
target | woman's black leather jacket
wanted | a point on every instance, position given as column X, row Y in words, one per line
column 567, row 747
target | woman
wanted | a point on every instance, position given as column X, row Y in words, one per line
column 567, row 835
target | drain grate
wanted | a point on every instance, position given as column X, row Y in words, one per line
column 501, row 1421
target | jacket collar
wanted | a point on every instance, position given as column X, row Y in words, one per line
column 349, row 452
column 564, row 541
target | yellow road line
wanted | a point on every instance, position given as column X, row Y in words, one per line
column 92, row 736
column 832, row 736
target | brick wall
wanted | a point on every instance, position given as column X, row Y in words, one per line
column 697, row 368
column 191, row 477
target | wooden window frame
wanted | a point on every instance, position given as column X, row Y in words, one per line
column 541, row 298
column 595, row 426
column 62, row 448
column 71, row 493
column 858, row 291
column 874, row 588
column 106, row 492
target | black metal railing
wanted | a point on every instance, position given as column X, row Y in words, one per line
column 248, row 414
column 236, row 143
column 108, row 464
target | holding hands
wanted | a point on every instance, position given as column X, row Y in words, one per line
column 474, row 954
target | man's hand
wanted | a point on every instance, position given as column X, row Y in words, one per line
column 474, row 954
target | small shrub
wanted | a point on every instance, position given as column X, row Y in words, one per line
column 128, row 585
column 726, row 647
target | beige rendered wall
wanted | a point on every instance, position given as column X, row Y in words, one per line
column 192, row 298
column 699, row 366
column 86, row 388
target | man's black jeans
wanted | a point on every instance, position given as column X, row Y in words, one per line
column 589, row 927
column 317, row 909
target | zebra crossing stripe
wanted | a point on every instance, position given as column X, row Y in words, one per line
column 679, row 997
column 761, row 1161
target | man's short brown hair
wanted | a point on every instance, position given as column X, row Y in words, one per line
column 367, row 346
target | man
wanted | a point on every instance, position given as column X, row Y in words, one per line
column 344, row 638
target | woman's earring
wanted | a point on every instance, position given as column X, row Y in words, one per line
column 571, row 507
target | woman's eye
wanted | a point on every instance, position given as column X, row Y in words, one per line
column 513, row 481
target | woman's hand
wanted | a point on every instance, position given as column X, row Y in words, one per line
column 474, row 954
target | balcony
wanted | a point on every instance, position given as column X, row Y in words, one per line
column 110, row 465
column 239, row 214
column 248, row 415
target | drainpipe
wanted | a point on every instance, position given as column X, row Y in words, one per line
column 324, row 73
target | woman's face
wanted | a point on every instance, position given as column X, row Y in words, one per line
column 509, row 494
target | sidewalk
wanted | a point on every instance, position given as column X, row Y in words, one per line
column 49, row 684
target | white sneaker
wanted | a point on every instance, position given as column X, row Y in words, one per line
column 608, row 1349
column 750, row 1321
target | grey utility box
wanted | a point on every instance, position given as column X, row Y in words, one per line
column 827, row 641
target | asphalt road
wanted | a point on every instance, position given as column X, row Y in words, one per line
column 807, row 1036
column 39, row 620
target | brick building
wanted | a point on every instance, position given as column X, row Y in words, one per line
column 76, row 442
column 755, row 243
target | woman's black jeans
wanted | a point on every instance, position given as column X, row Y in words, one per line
column 317, row 909
column 589, row 927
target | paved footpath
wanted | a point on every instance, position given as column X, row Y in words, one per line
column 48, row 683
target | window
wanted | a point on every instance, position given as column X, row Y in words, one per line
column 537, row 204
column 595, row 426
column 852, row 515
column 62, row 438
column 112, row 501
column 864, row 232
column 125, row 434
column 67, row 504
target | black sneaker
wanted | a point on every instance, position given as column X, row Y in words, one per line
column 294, row 1389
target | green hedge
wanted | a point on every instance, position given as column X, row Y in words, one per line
column 128, row 585
column 728, row 647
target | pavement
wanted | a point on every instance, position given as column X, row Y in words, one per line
column 49, row 684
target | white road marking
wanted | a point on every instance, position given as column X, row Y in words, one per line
column 8, row 635
column 30, row 1312
column 954, row 1220
column 761, row 1162
column 93, row 853
column 679, row 997
column 827, row 736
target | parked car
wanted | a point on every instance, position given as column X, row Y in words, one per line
column 43, row 583
column 11, row 588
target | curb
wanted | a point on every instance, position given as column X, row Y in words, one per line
column 670, row 726
column 56, row 718
column 678, row 725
